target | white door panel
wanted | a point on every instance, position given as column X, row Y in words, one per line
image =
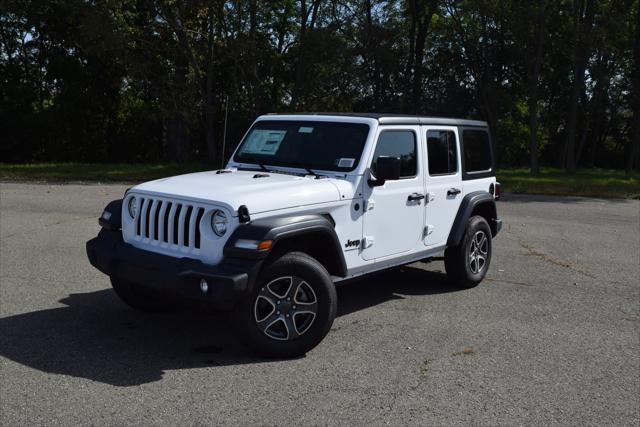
column 392, row 224
column 444, row 182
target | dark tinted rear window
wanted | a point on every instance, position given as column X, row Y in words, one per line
column 442, row 153
column 477, row 150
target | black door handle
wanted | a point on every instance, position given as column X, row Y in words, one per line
column 453, row 191
column 415, row 196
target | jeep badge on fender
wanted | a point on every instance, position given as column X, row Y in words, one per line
column 352, row 244
column 271, row 235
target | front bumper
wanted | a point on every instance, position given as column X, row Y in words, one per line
column 178, row 278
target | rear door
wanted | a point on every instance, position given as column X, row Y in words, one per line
column 443, row 182
column 394, row 212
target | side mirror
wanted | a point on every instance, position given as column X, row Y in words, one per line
column 387, row 169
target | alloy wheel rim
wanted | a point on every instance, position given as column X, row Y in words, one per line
column 285, row 308
column 478, row 252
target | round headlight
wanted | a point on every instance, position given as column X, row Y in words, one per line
column 131, row 207
column 219, row 222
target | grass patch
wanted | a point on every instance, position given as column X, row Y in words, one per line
column 424, row 368
column 586, row 182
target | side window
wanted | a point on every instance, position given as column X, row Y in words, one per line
column 401, row 144
column 477, row 150
column 442, row 152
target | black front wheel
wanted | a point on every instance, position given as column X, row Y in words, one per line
column 291, row 308
column 468, row 263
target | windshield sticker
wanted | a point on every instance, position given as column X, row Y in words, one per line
column 264, row 141
column 346, row 162
column 305, row 130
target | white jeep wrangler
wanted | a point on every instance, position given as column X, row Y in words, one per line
column 306, row 201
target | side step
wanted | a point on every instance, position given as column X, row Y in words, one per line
column 433, row 258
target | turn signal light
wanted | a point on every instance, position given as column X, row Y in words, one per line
column 265, row 244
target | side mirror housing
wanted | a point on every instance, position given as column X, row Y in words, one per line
column 387, row 169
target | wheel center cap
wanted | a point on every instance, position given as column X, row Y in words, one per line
column 285, row 307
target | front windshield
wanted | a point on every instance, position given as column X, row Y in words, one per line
column 306, row 144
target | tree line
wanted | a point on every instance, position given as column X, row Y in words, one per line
column 558, row 81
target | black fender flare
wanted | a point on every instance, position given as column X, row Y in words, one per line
column 469, row 203
column 280, row 228
column 111, row 217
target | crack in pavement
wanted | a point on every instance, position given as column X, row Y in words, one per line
column 560, row 263
column 511, row 282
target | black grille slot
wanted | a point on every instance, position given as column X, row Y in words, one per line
column 176, row 223
column 198, row 219
column 165, row 222
column 156, row 221
column 139, row 219
column 187, row 222
column 147, row 217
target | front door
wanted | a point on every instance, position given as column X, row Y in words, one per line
column 444, row 182
column 394, row 212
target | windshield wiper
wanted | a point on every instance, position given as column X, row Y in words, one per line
column 265, row 169
column 301, row 166
column 295, row 165
column 255, row 161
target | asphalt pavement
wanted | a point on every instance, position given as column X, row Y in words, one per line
column 552, row 336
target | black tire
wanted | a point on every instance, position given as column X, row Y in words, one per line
column 267, row 304
column 458, row 261
column 139, row 300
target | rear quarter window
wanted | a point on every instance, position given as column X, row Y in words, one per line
column 476, row 150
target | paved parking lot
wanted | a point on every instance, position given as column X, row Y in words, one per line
column 552, row 335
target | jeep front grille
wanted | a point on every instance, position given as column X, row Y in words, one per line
column 169, row 221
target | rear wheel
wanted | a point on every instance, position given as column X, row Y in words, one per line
column 137, row 299
column 291, row 308
column 468, row 263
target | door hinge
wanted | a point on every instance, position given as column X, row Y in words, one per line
column 369, row 204
column 367, row 242
column 428, row 229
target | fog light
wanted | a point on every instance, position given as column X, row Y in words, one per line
column 204, row 286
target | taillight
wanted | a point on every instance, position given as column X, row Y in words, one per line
column 498, row 191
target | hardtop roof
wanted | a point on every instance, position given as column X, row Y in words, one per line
column 393, row 119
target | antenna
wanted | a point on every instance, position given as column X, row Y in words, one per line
column 224, row 134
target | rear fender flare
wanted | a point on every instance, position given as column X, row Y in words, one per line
column 470, row 202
